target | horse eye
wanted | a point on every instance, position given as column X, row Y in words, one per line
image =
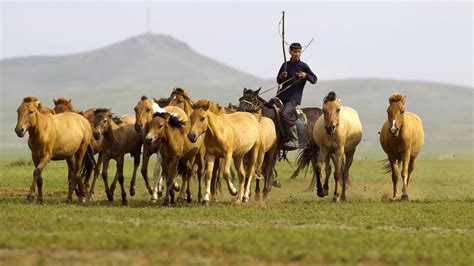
column 148, row 110
column 104, row 121
column 160, row 126
column 402, row 112
column 179, row 102
column 338, row 110
column 203, row 118
column 31, row 111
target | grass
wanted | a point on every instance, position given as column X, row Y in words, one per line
column 292, row 227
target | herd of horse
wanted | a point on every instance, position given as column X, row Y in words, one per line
column 203, row 139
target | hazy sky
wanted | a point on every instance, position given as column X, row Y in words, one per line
column 403, row 40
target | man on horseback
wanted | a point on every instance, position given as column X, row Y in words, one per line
column 293, row 76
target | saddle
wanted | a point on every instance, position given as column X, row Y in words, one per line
column 300, row 122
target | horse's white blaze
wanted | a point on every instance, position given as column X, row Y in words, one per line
column 393, row 125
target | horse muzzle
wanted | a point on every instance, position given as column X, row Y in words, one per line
column 138, row 127
column 330, row 129
column 96, row 135
column 192, row 137
column 394, row 132
column 149, row 140
column 20, row 132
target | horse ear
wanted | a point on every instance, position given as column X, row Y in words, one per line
column 258, row 91
column 404, row 99
column 245, row 90
column 206, row 106
column 69, row 101
column 55, row 101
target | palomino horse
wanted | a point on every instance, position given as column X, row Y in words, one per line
column 118, row 140
column 226, row 136
column 176, row 149
column 54, row 137
column 401, row 138
column 62, row 105
column 337, row 132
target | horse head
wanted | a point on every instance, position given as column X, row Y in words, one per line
column 180, row 98
column 62, row 105
column 27, row 115
column 102, row 117
column 143, row 113
column 199, row 119
column 395, row 112
column 331, row 109
column 249, row 102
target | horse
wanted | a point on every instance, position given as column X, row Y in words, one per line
column 337, row 132
column 267, row 153
column 227, row 136
column 63, row 136
column 62, row 105
column 401, row 138
column 175, row 148
column 251, row 101
column 118, row 139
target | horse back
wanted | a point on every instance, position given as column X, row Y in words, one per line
column 71, row 130
column 246, row 130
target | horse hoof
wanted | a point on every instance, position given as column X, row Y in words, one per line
column 276, row 183
column 245, row 199
column 176, row 187
column 336, row 199
column 39, row 201
column 30, row 198
column 165, row 204
column 153, row 201
column 132, row 192
column 124, row 203
column 189, row 199
column 110, row 197
column 234, row 192
column 405, row 197
column 160, row 193
column 321, row 193
column 205, row 203
column 180, row 199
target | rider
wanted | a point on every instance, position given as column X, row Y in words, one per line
column 291, row 92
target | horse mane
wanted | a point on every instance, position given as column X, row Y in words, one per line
column 101, row 110
column 208, row 105
column 144, row 98
column 61, row 100
column 330, row 97
column 174, row 120
column 182, row 92
column 30, row 99
column 396, row 97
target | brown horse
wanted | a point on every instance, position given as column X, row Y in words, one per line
column 62, row 105
column 338, row 132
column 228, row 136
column 176, row 149
column 402, row 138
column 118, row 140
column 54, row 137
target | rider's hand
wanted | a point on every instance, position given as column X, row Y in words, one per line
column 283, row 75
column 301, row 74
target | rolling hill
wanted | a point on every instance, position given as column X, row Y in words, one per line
column 117, row 75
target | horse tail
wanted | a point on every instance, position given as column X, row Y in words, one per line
column 387, row 168
column 307, row 154
column 88, row 163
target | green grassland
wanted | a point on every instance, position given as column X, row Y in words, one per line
column 292, row 228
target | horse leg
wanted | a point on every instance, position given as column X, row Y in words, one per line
column 210, row 166
column 327, row 172
column 144, row 169
column 238, row 163
column 171, row 173
column 105, row 177
column 190, row 177
column 322, row 157
column 345, row 173
column 411, row 167
column 338, row 174
column 254, row 153
column 78, row 160
column 200, row 172
column 158, row 178
column 70, row 175
column 394, row 168
column 227, row 176
column 96, row 174
column 405, row 162
column 38, row 179
column 119, row 176
column 136, row 162
column 184, row 186
column 269, row 171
